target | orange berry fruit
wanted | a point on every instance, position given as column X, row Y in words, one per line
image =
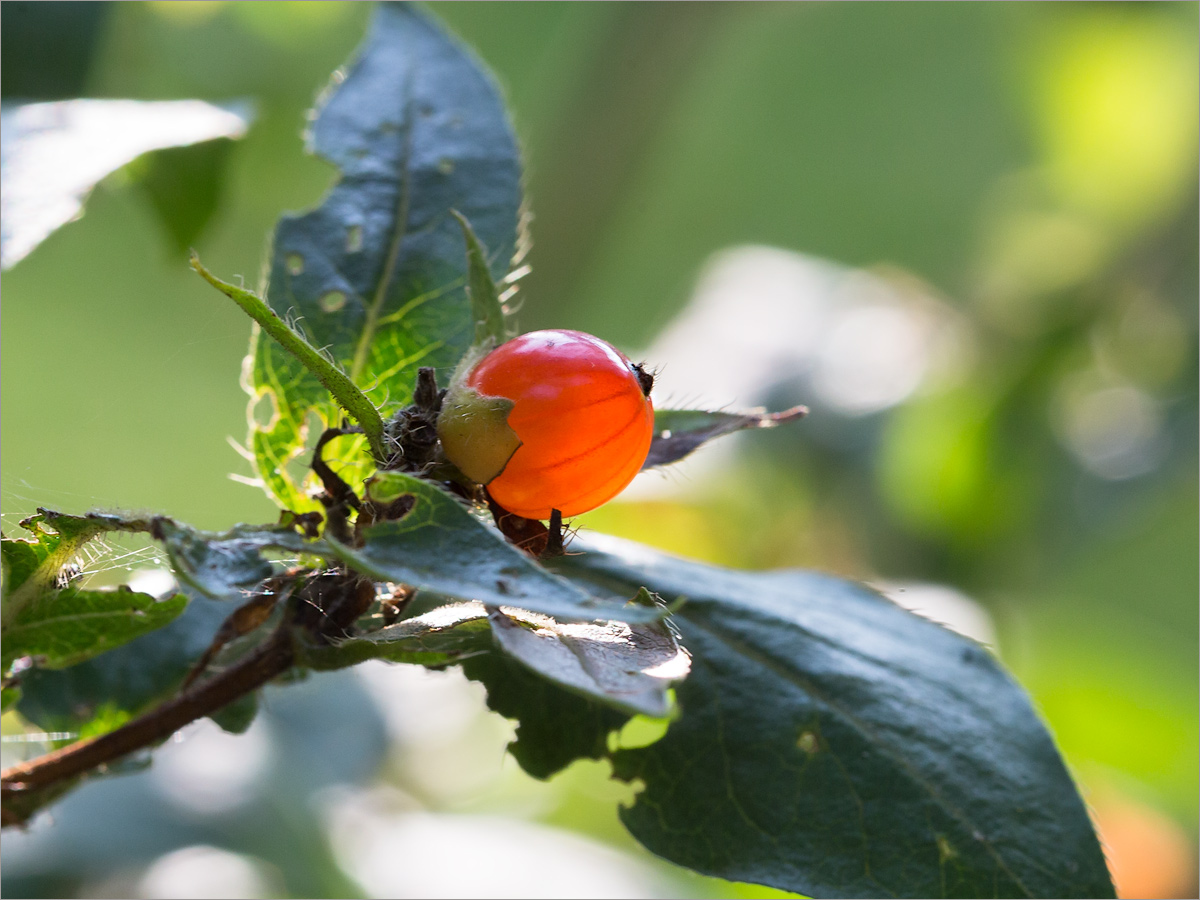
column 582, row 413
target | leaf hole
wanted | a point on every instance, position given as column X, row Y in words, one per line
column 264, row 411
column 354, row 238
column 640, row 731
column 295, row 264
column 332, row 301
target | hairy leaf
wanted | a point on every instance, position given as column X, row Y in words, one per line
column 34, row 568
column 223, row 565
column 440, row 546
column 72, row 625
column 377, row 274
column 677, row 432
column 486, row 309
column 834, row 744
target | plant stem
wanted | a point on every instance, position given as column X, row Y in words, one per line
column 334, row 379
column 320, row 610
column 21, row 784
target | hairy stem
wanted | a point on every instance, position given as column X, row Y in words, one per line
column 336, row 381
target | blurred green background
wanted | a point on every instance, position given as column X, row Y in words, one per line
column 1027, row 172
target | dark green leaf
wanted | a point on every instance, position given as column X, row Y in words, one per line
column 238, row 715
column 223, row 565
column 47, row 50
column 440, row 546
column 554, row 725
column 629, row 667
column 71, row 625
column 677, row 432
column 183, row 185
column 376, row 275
column 9, row 696
column 834, row 744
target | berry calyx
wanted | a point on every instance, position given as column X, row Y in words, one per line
column 580, row 414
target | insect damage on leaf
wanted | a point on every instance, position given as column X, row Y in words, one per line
column 377, row 274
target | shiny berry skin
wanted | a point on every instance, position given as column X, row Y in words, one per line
column 582, row 412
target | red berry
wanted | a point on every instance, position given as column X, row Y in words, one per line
column 582, row 412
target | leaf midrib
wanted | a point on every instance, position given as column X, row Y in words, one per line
column 362, row 351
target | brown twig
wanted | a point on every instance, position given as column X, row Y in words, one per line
column 324, row 607
column 20, row 784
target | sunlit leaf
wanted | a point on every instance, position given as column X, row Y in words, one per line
column 122, row 683
column 440, row 636
column 53, row 154
column 34, row 568
column 377, row 274
column 629, row 667
column 72, row 625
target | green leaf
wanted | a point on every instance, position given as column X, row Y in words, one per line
column 223, row 565
column 239, row 715
column 440, row 546
column 555, row 726
column 33, row 568
column 833, row 744
column 8, row 697
column 376, row 276
column 677, row 432
column 438, row 637
column 486, row 308
column 122, row 683
column 183, row 186
column 72, row 625
column 629, row 667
